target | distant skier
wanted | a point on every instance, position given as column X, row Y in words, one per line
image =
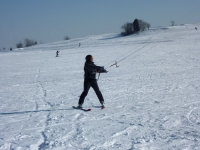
column 90, row 70
column 196, row 28
column 57, row 53
column 79, row 44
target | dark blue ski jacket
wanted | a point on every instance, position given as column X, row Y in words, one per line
column 90, row 70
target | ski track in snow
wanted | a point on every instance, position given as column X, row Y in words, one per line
column 152, row 98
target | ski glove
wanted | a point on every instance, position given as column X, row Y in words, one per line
column 102, row 70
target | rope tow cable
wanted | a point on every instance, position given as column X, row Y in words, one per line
column 116, row 62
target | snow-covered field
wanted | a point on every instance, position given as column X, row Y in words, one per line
column 152, row 98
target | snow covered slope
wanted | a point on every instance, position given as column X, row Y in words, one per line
column 152, row 98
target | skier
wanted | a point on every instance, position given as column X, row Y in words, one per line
column 90, row 70
column 57, row 53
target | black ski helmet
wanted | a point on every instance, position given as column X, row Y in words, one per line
column 88, row 57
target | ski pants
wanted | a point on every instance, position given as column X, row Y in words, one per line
column 87, row 85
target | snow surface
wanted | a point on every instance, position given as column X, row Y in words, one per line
column 152, row 98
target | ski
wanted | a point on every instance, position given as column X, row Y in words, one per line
column 83, row 109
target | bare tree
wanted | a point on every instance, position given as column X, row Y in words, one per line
column 128, row 28
column 173, row 23
column 29, row 42
column 148, row 26
column 143, row 25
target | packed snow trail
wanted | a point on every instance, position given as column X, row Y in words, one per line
column 152, row 98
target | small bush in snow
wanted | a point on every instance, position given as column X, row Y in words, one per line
column 66, row 38
column 19, row 45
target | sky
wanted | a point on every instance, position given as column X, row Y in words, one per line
column 47, row 21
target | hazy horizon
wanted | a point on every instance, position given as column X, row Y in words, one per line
column 49, row 21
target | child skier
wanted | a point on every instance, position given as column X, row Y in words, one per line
column 90, row 70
